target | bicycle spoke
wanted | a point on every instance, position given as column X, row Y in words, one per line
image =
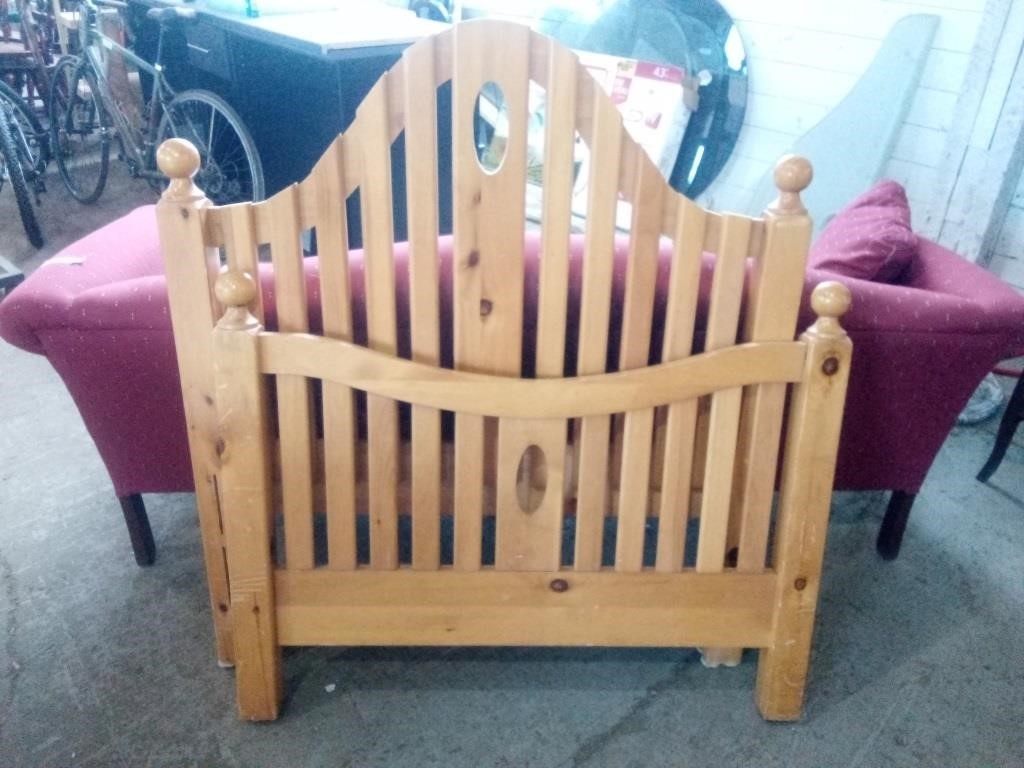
column 213, row 117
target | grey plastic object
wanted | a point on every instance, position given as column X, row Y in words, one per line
column 851, row 145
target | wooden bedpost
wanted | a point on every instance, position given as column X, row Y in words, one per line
column 773, row 300
column 191, row 267
column 810, row 458
column 245, row 480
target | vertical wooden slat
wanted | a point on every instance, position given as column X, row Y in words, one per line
column 420, row 108
column 294, row 400
column 489, row 218
column 240, row 243
column 530, row 539
column 381, row 329
column 723, row 420
column 338, row 410
column 638, row 308
column 533, row 540
column 595, row 308
column 559, row 154
column 681, row 420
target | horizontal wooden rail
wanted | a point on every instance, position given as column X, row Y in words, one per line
column 489, row 607
column 507, row 397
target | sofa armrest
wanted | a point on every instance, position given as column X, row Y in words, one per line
column 942, row 293
column 919, row 351
column 124, row 250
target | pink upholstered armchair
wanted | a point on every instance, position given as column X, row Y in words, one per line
column 98, row 311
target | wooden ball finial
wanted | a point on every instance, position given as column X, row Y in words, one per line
column 178, row 159
column 830, row 299
column 235, row 289
column 792, row 175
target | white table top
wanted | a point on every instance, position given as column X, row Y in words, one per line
column 360, row 24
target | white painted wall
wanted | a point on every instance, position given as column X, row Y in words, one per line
column 805, row 55
column 1008, row 254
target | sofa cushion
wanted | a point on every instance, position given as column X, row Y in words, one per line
column 870, row 239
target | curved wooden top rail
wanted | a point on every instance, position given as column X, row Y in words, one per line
column 507, row 397
column 546, row 61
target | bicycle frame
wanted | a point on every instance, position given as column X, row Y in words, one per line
column 93, row 41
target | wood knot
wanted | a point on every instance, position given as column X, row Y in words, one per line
column 830, row 366
column 485, row 307
column 800, row 584
column 474, row 258
column 184, row 213
column 219, row 446
column 559, row 585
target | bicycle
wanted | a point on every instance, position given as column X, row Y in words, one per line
column 24, row 153
column 86, row 116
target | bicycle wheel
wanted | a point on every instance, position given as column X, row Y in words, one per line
column 27, row 131
column 79, row 132
column 230, row 169
column 13, row 172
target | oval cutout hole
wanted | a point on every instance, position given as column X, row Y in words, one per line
column 531, row 479
column 490, row 126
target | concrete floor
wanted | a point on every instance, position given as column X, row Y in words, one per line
column 919, row 662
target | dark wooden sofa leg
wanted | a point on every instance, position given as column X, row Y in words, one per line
column 890, row 536
column 1012, row 417
column 138, row 528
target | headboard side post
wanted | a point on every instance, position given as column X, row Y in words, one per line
column 191, row 268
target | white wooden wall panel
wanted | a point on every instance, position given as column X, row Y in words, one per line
column 979, row 179
column 804, row 57
column 1008, row 256
column 945, row 70
column 920, row 145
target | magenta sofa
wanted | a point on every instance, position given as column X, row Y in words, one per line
column 98, row 311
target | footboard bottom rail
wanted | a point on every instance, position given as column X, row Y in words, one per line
column 559, row 608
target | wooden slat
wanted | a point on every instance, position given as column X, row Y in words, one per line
column 506, row 397
column 420, row 108
column 407, row 607
column 595, row 309
column 294, row 398
column 239, row 234
column 723, row 421
column 489, row 219
column 559, row 180
column 381, row 329
column 559, row 154
column 338, row 407
column 638, row 308
column 680, row 423
column 530, row 539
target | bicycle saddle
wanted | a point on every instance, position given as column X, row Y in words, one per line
column 167, row 15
